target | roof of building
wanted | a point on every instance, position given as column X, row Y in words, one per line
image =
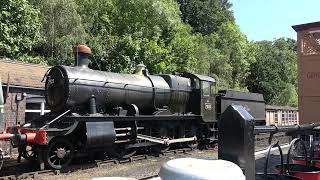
column 273, row 107
column 302, row 27
column 21, row 74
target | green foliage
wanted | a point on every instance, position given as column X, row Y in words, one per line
column 19, row 26
column 206, row 16
column 235, row 49
column 168, row 36
column 275, row 72
column 62, row 29
column 33, row 59
column 136, row 31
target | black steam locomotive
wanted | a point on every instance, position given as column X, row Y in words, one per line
column 120, row 113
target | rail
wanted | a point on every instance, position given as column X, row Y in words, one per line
column 276, row 129
column 19, row 172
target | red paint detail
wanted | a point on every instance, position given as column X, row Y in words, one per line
column 6, row 136
column 41, row 137
column 35, row 136
column 315, row 163
column 313, row 175
column 31, row 137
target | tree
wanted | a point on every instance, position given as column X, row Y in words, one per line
column 234, row 46
column 20, row 28
column 275, row 72
column 206, row 16
column 126, row 33
column 62, row 29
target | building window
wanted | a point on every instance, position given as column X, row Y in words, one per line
column 290, row 116
column 276, row 118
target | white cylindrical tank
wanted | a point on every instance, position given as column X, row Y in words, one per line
column 193, row 168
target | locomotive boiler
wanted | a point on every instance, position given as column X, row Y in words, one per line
column 72, row 87
column 119, row 113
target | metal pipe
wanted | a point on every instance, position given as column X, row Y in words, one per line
column 122, row 141
column 122, row 135
column 123, row 129
column 275, row 129
column 6, row 136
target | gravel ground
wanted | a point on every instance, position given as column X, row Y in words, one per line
column 151, row 166
column 138, row 169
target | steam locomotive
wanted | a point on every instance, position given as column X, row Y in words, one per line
column 120, row 113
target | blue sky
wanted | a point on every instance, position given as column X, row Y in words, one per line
column 271, row 19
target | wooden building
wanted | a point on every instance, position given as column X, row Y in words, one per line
column 308, row 47
column 281, row 115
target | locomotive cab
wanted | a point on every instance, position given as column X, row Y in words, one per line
column 202, row 97
column 208, row 100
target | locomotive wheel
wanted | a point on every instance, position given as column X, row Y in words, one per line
column 29, row 153
column 59, row 154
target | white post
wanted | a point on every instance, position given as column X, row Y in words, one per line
column 42, row 106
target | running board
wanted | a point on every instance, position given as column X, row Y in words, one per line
column 165, row 141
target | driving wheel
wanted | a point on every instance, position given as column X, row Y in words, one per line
column 59, row 153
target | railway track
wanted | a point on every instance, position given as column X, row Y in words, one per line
column 263, row 137
column 21, row 172
column 96, row 163
column 262, row 140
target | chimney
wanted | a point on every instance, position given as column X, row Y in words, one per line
column 81, row 54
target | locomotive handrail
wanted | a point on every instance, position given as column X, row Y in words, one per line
column 276, row 129
column 55, row 119
column 46, row 74
column 106, row 82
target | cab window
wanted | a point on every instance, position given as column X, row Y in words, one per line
column 195, row 84
column 206, row 86
column 213, row 88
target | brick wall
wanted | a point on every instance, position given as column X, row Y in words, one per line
column 14, row 112
column 14, row 109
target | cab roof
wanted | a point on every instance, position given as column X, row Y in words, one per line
column 200, row 77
